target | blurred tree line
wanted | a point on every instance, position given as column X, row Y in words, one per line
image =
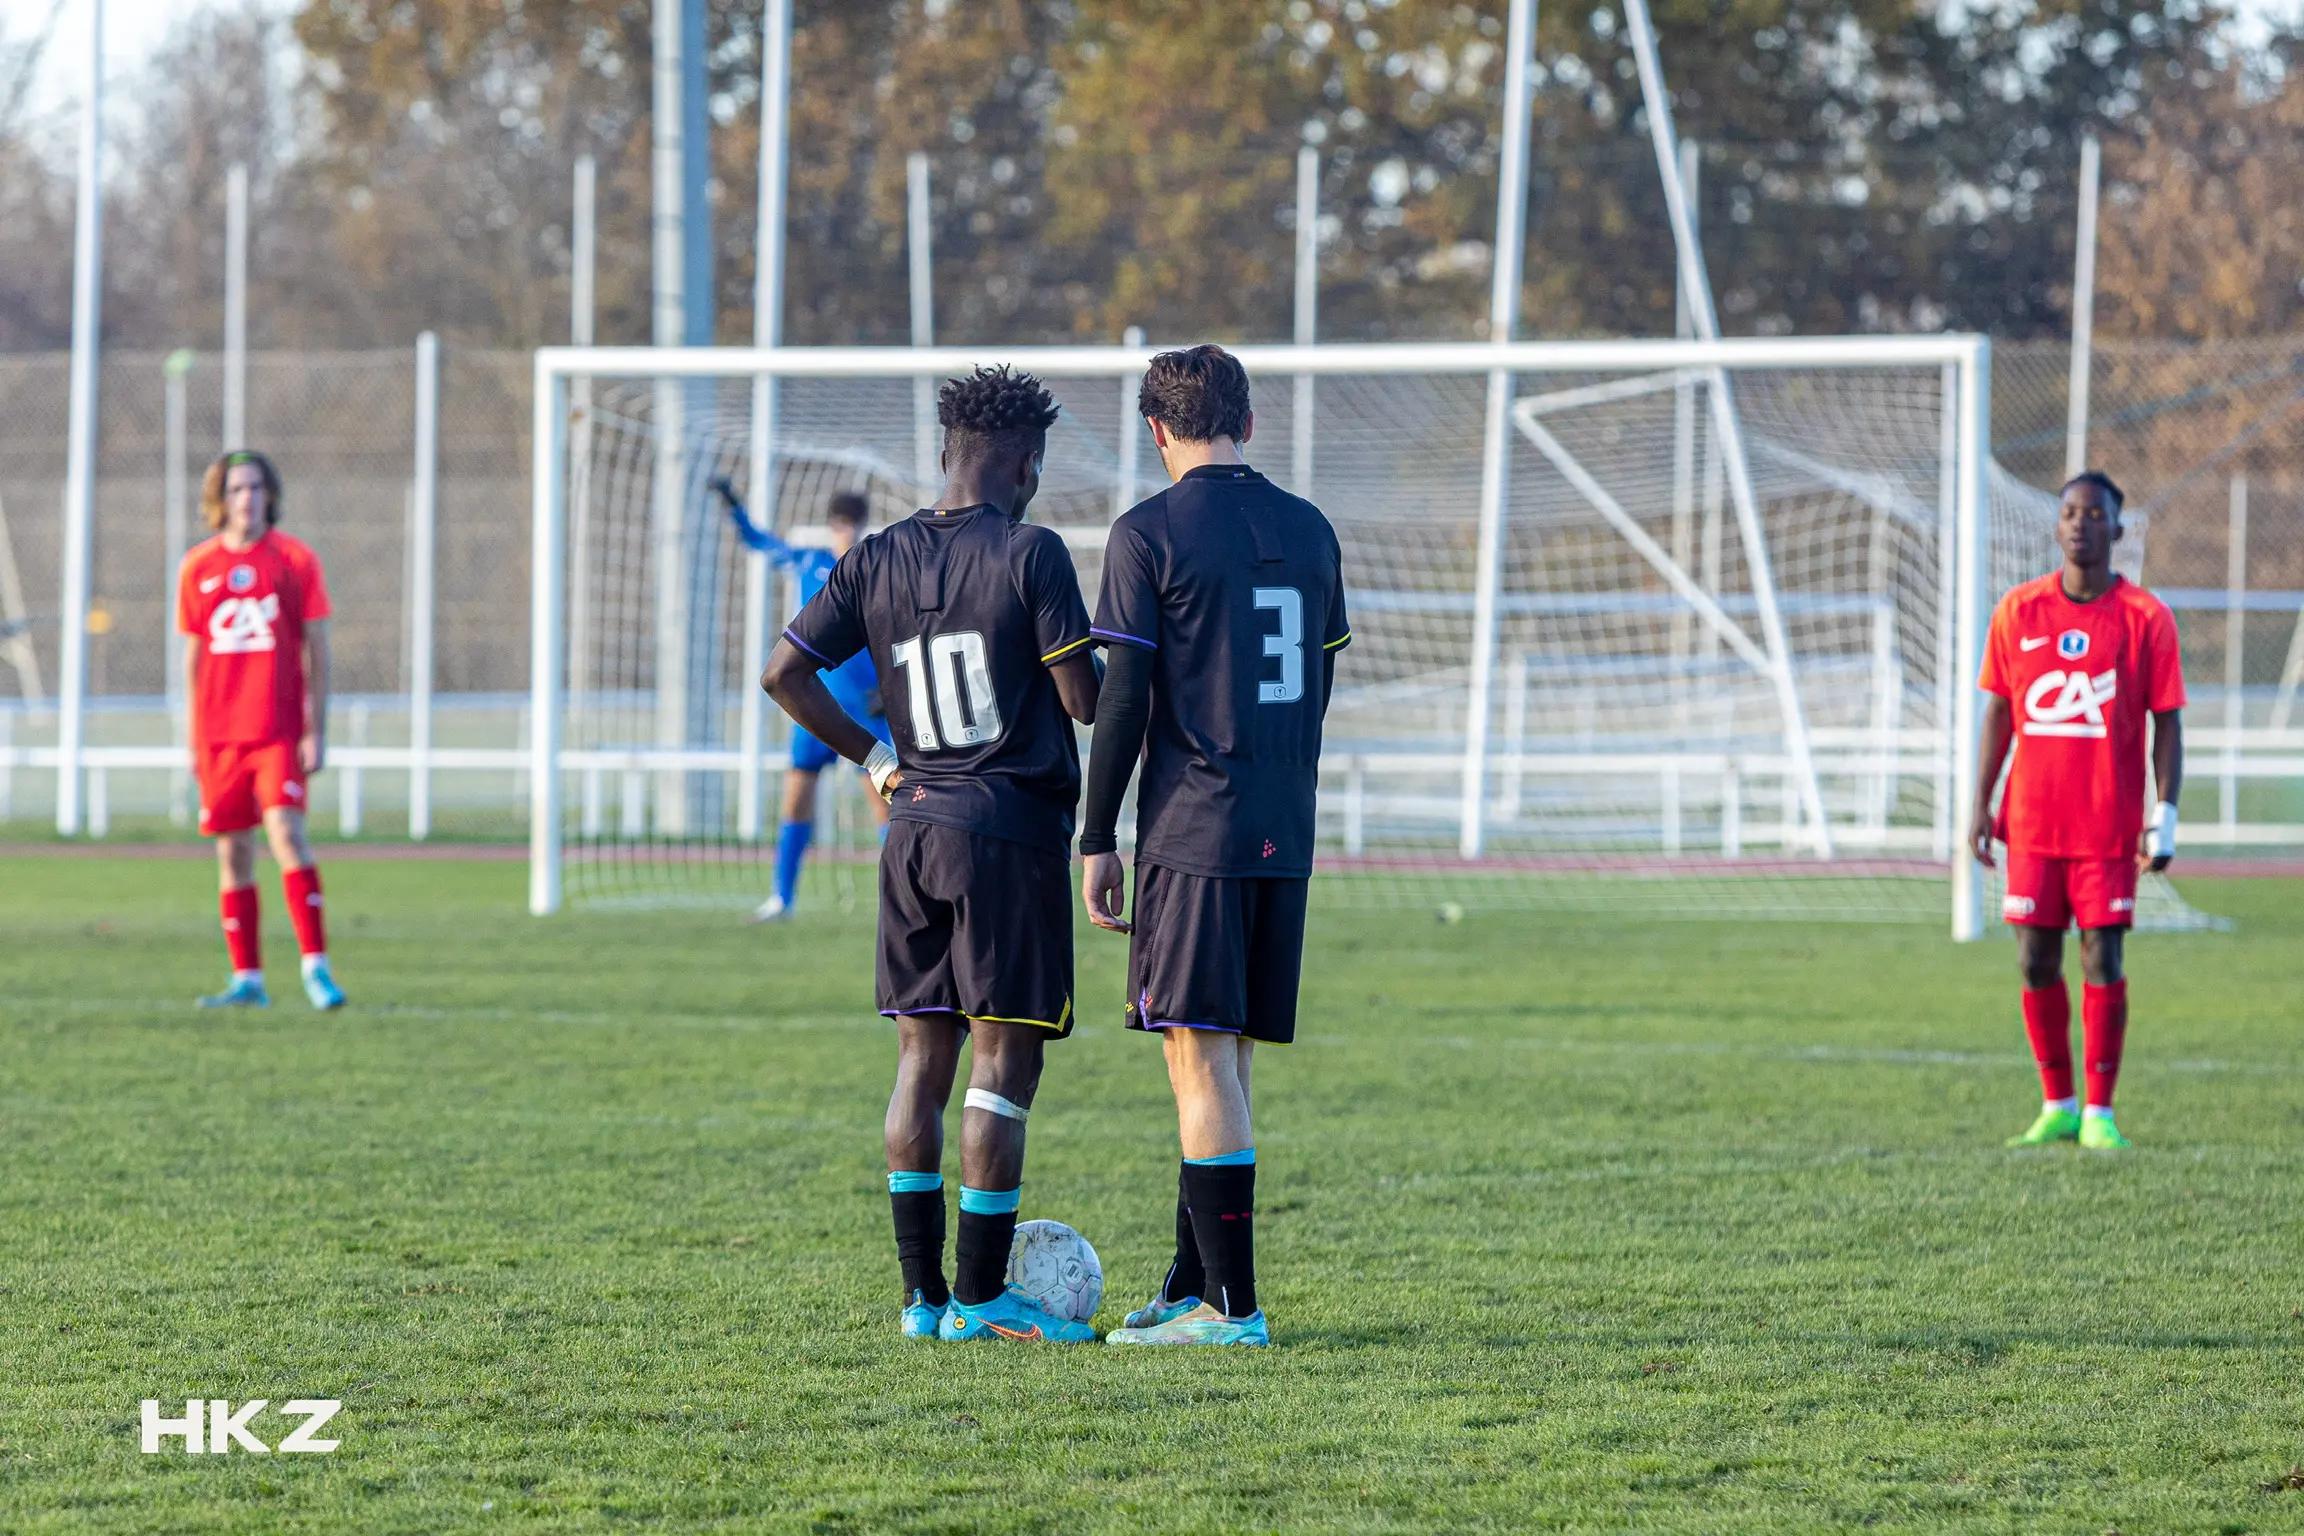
column 1866, row 165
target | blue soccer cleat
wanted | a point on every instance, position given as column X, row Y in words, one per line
column 1157, row 1311
column 321, row 987
column 1010, row 1315
column 244, row 990
column 920, row 1320
column 1202, row 1325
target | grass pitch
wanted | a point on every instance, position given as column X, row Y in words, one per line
column 1581, row 1226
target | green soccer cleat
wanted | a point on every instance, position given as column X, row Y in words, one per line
column 2053, row 1125
column 1157, row 1311
column 2099, row 1134
column 1202, row 1325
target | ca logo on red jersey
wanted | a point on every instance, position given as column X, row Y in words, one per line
column 2069, row 703
column 241, row 626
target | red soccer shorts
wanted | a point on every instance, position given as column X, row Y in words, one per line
column 241, row 780
column 2060, row 893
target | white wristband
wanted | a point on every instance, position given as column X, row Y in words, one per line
column 879, row 765
column 2160, row 831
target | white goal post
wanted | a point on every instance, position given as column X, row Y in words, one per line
column 1646, row 743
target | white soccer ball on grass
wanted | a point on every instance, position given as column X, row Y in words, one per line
column 1057, row 1268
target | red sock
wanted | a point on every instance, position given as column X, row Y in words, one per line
column 239, row 909
column 2048, row 1020
column 2103, row 1031
column 302, row 888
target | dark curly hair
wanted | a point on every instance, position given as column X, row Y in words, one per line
column 994, row 412
column 850, row 507
column 2102, row 482
column 1199, row 394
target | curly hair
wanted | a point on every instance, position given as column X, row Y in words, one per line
column 1199, row 394
column 994, row 411
column 2102, row 482
column 850, row 507
column 212, row 486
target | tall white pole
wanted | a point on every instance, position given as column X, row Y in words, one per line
column 583, row 264
column 767, row 331
column 1307, row 315
column 1696, row 284
column 920, row 248
column 1951, row 687
column 2235, row 652
column 2083, row 310
column 1131, row 434
column 175, row 496
column 550, row 450
column 1971, row 577
column 423, row 519
column 236, row 307
column 80, row 451
column 1495, row 461
column 1684, row 437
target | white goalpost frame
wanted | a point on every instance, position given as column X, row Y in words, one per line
column 1963, row 362
column 1696, row 287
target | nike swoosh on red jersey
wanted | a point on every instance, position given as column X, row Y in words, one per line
column 2031, row 645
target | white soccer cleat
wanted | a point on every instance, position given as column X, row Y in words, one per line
column 772, row 910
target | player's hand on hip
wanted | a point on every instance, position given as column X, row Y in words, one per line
column 1104, row 888
column 311, row 752
column 1980, row 842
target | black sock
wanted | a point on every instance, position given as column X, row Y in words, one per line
column 1185, row 1276
column 920, row 1243
column 980, row 1261
column 1223, row 1201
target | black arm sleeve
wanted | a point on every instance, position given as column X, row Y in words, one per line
column 1123, row 712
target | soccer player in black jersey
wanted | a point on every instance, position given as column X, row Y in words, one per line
column 1223, row 611
column 975, row 625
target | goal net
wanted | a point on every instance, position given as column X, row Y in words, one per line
column 1669, row 628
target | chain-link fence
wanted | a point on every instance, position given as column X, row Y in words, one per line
column 2202, row 436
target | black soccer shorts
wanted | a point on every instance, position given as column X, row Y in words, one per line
column 976, row 926
column 1216, row 953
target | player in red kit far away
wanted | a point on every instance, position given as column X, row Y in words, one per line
column 2074, row 665
column 254, row 608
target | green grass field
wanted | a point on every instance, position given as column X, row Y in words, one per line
column 1565, row 1226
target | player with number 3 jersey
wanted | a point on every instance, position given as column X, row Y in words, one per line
column 975, row 625
column 2077, row 665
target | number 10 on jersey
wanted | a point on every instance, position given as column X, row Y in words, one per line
column 964, row 705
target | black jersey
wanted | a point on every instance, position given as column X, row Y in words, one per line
column 1237, row 588
column 963, row 612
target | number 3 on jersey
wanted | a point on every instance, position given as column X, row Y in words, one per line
column 1287, row 644
column 965, row 705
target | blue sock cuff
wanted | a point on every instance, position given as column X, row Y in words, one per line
column 914, row 1183
column 1244, row 1158
column 990, row 1202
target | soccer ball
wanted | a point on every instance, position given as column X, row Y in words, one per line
column 1054, row 1265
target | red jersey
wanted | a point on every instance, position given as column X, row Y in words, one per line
column 2080, row 679
column 249, row 608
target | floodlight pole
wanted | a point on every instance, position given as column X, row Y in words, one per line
column 236, row 307
column 919, row 248
column 80, row 449
column 2235, row 654
column 1495, row 462
column 767, row 331
column 1307, row 315
column 423, row 521
column 175, row 495
column 2083, row 310
column 1696, row 285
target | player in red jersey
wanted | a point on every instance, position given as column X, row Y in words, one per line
column 254, row 607
column 2074, row 664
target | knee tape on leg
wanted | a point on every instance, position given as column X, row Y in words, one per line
column 985, row 1099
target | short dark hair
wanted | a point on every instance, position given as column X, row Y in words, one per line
column 1198, row 394
column 2102, row 482
column 849, row 507
column 994, row 411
